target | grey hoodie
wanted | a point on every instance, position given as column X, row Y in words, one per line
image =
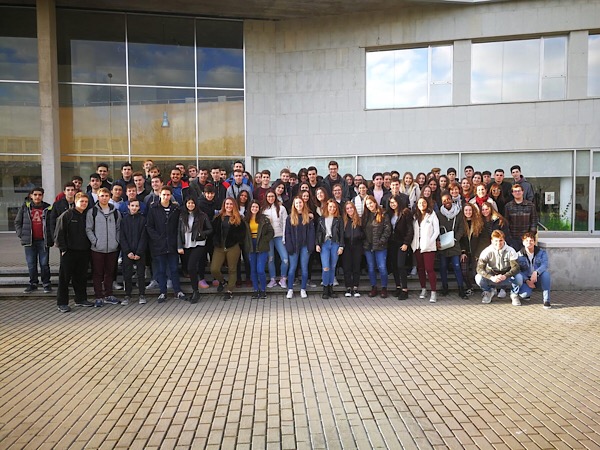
column 104, row 233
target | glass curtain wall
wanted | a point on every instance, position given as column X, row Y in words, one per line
column 136, row 87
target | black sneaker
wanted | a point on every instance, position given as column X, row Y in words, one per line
column 263, row 295
column 84, row 304
column 181, row 296
column 348, row 292
column 64, row 308
column 195, row 297
column 47, row 289
column 547, row 305
column 29, row 289
column 221, row 286
column 403, row 295
column 228, row 296
column 162, row 298
column 255, row 295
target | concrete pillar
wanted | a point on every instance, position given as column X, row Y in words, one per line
column 48, row 73
column 461, row 83
column 577, row 69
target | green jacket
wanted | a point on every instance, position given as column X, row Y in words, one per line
column 264, row 236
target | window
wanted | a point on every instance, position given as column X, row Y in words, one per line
column 594, row 65
column 409, row 77
column 524, row 70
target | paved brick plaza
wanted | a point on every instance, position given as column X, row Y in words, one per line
column 351, row 373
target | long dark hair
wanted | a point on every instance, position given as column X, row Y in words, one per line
column 276, row 203
column 184, row 215
column 248, row 215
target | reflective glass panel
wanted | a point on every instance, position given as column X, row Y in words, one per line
column 594, row 65
column 18, row 44
column 440, row 90
column 367, row 165
column 410, row 77
column 93, row 119
column 221, row 122
column 554, row 69
column 161, row 50
column 18, row 175
column 486, row 72
column 91, row 47
column 163, row 121
column 19, row 118
column 380, row 79
column 521, row 70
column 346, row 165
column 220, row 54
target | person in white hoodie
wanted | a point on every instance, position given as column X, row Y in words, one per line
column 277, row 215
column 426, row 231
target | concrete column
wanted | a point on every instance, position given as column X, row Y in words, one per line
column 48, row 73
column 577, row 69
column 461, row 91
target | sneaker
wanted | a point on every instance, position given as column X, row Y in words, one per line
column 355, row 293
column 263, row 295
column 335, row 282
column 547, row 305
column 272, row 283
column 348, row 292
column 169, row 284
column 403, row 295
column 487, row 297
column 29, row 289
column 525, row 296
column 303, row 293
column 228, row 295
column 493, row 292
column 47, row 289
column 66, row 308
column 117, row 286
column 283, row 282
column 413, row 272
column 125, row 301
column 202, row 284
column 433, row 297
column 152, row 285
column 181, row 296
column 290, row 293
column 502, row 293
column 84, row 304
column 98, row 303
column 120, row 260
column 516, row 300
column 111, row 300
column 468, row 292
column 142, row 300
column 215, row 283
column 220, row 287
column 195, row 297
column 255, row 296
column 311, row 284
column 423, row 293
column 162, row 298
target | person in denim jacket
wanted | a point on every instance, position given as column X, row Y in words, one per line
column 533, row 262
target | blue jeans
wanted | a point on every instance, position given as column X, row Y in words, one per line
column 512, row 283
column 455, row 263
column 329, row 259
column 378, row 257
column 277, row 243
column 258, row 262
column 170, row 262
column 34, row 252
column 303, row 256
column 543, row 282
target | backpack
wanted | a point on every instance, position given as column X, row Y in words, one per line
column 114, row 212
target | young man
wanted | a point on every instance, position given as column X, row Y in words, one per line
column 77, row 182
column 237, row 186
column 486, row 177
column 154, row 195
column 469, row 171
column 313, row 180
column 533, row 261
column 506, row 186
column 198, row 184
column 192, row 172
column 220, row 186
column 60, row 206
column 116, row 195
column 154, row 171
column 72, row 241
column 498, row 268
column 522, row 217
column 140, row 186
column 378, row 190
column 126, row 175
column 335, row 178
column 179, row 187
column 395, row 191
column 102, row 229
column 162, row 226
column 134, row 241
column 181, row 168
column 265, row 184
column 237, row 165
column 131, row 195
column 30, row 225
column 95, row 184
column 105, row 181
column 519, row 179
column 451, row 174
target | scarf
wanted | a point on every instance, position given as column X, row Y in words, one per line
column 481, row 200
column 452, row 212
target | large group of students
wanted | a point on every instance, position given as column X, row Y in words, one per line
column 156, row 225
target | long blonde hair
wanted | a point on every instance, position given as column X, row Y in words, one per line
column 295, row 218
column 355, row 217
column 476, row 221
column 235, row 218
column 378, row 215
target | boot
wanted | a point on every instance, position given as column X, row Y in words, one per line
column 332, row 294
column 373, row 292
column 461, row 292
column 397, row 292
column 195, row 297
column 445, row 291
column 325, row 294
column 403, row 295
column 384, row 292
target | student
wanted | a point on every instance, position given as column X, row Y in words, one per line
column 30, row 225
column 354, row 237
column 131, row 193
column 265, row 184
column 330, row 244
column 533, row 262
column 299, row 243
column 126, row 175
column 278, row 215
column 180, row 187
column 162, row 226
column 102, row 227
column 229, row 235
column 116, row 195
column 399, row 243
column 426, row 231
column 194, row 229
column 71, row 239
column 410, row 188
column 474, row 240
column 237, row 186
column 134, row 241
column 521, row 215
column 378, row 229
column 450, row 218
column 260, row 234
column 67, row 201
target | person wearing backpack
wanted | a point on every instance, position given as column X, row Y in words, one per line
column 102, row 227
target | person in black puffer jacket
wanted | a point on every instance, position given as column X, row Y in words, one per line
column 354, row 237
column 402, row 234
column 377, row 231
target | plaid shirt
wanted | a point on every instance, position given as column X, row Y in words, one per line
column 522, row 217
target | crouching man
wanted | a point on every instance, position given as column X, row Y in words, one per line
column 534, row 269
column 498, row 267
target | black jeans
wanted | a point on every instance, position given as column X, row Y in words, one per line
column 351, row 259
column 73, row 268
column 140, row 267
column 196, row 264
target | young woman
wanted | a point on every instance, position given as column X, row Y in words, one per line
column 279, row 189
column 410, row 188
column 493, row 220
column 421, row 180
column 194, row 228
column 354, row 237
column 466, row 189
column 321, row 198
column 497, row 195
column 454, row 190
column 398, row 245
column 330, row 244
column 299, row 242
column 243, row 201
column 277, row 214
column 444, row 184
column 472, row 243
column 427, row 194
column 435, row 191
column 426, row 231
column 481, row 197
column 359, row 200
column 243, row 206
column 476, row 180
column 378, row 229
column 229, row 235
column 451, row 219
column 260, row 233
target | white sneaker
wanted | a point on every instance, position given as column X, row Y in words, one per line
column 152, row 285
column 117, row 286
column 356, row 293
column 413, row 272
column 303, row 293
column 516, row 301
column 423, row 293
column 311, row 284
column 493, row 292
column 290, row 293
column 283, row 282
column 335, row 282
column 272, row 283
column 433, row 297
column 487, row 297
column 502, row 293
